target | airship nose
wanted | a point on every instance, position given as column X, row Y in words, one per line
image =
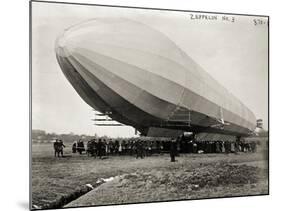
column 60, row 41
column 61, row 45
column 72, row 38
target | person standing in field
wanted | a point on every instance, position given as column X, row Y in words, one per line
column 74, row 147
column 120, row 148
column 56, row 148
column 173, row 148
column 60, row 148
column 139, row 149
column 80, row 146
column 99, row 148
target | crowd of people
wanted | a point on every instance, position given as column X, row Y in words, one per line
column 142, row 148
column 101, row 147
column 217, row 147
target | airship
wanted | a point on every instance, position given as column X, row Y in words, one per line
column 140, row 77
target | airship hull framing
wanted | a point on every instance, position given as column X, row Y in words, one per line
column 144, row 80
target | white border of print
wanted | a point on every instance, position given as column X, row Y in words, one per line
column 14, row 110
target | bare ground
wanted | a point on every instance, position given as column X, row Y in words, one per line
column 151, row 179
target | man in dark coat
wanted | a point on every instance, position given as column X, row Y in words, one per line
column 80, row 147
column 139, row 149
column 74, row 147
column 60, row 147
column 99, row 149
column 56, row 147
column 173, row 149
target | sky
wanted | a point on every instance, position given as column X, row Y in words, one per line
column 233, row 53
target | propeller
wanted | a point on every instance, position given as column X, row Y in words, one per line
column 221, row 121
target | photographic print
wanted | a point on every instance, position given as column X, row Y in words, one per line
column 135, row 105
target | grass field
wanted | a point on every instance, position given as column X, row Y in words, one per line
column 150, row 179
